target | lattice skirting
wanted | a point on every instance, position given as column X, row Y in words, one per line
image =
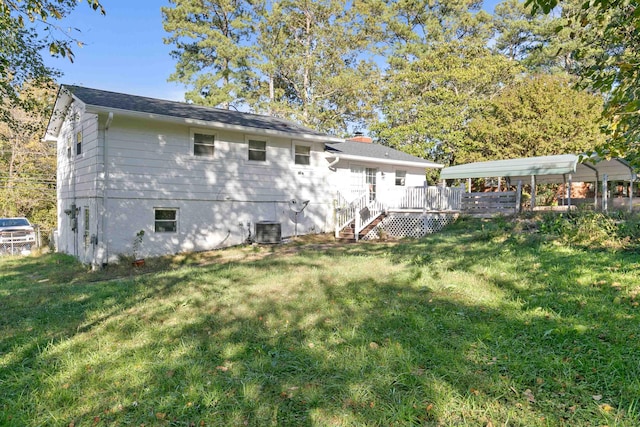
column 415, row 225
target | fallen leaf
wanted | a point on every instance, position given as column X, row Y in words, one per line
column 529, row 395
column 373, row 345
column 597, row 397
column 606, row 407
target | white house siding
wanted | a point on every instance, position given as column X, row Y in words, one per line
column 341, row 178
column 77, row 183
column 150, row 166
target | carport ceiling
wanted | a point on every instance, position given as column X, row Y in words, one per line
column 546, row 169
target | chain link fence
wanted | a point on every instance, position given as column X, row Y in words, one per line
column 19, row 242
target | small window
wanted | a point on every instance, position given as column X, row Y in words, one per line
column 203, row 144
column 257, row 150
column 401, row 177
column 79, row 143
column 166, row 220
column 302, row 155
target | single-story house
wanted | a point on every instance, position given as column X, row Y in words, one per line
column 195, row 178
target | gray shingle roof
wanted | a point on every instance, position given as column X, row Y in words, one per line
column 375, row 151
column 115, row 100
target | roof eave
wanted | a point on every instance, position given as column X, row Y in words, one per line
column 63, row 100
column 213, row 124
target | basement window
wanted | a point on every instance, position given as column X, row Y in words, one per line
column 166, row 220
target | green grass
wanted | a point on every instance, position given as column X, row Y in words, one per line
column 475, row 326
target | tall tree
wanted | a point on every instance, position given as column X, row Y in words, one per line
column 27, row 164
column 212, row 46
column 535, row 116
column 313, row 62
column 302, row 60
column 544, row 43
column 440, row 71
column 614, row 26
column 20, row 57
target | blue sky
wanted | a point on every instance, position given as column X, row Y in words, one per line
column 124, row 50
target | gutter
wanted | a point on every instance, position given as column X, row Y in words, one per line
column 409, row 163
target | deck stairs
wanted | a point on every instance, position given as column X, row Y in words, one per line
column 347, row 233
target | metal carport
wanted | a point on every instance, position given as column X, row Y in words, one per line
column 558, row 169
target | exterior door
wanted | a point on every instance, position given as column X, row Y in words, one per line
column 370, row 179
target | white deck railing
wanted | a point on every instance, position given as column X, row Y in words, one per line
column 357, row 207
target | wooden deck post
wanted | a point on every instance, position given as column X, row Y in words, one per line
column 519, row 198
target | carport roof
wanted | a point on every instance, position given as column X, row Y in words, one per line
column 546, row 169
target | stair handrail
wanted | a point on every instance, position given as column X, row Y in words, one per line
column 346, row 209
column 367, row 215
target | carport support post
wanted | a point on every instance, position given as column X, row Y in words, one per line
column 469, row 185
column 533, row 192
column 605, row 193
column 569, row 193
column 633, row 178
column 519, row 198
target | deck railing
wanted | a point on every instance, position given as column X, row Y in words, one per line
column 358, row 208
column 429, row 198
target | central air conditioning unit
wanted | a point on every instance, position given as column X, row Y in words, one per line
column 268, row 232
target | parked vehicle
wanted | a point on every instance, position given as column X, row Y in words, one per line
column 17, row 236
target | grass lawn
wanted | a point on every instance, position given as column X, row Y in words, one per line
column 474, row 326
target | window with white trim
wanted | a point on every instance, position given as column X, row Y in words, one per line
column 302, row 155
column 166, row 220
column 203, row 144
column 257, row 150
column 401, row 177
column 78, row 143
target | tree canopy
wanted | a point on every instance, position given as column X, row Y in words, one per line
column 20, row 58
column 613, row 26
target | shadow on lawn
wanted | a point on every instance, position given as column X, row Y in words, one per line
column 205, row 345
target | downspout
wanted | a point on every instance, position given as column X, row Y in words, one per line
column 105, row 164
column 333, row 163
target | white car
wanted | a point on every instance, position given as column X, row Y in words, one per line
column 16, row 232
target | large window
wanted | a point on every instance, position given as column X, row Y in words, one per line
column 401, row 177
column 257, row 150
column 166, row 220
column 302, row 155
column 203, row 144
